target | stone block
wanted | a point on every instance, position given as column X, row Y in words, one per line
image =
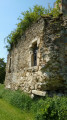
column 32, row 87
column 40, row 93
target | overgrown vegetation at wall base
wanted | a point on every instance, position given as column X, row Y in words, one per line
column 46, row 108
column 29, row 17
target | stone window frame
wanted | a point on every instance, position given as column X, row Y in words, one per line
column 34, row 54
column 10, row 64
column 34, row 41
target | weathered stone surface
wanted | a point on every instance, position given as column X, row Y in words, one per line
column 32, row 96
column 40, row 93
column 50, row 35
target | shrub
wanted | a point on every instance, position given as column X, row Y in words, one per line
column 48, row 108
column 52, row 109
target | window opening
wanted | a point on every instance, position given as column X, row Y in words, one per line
column 10, row 65
column 34, row 55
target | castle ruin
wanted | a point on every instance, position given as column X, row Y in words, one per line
column 37, row 64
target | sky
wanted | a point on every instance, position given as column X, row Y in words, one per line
column 10, row 10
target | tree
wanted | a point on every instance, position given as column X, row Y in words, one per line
column 2, row 70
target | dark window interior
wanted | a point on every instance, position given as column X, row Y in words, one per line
column 34, row 56
column 10, row 66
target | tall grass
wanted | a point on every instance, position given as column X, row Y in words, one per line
column 46, row 108
column 9, row 112
column 16, row 98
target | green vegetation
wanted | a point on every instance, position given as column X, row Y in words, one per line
column 46, row 108
column 29, row 17
column 8, row 112
column 52, row 109
column 55, row 11
column 2, row 70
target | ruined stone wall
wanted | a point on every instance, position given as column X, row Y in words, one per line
column 54, row 54
column 22, row 74
column 64, row 6
column 50, row 74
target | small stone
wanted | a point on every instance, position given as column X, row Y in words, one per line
column 8, row 86
column 16, row 88
column 27, row 74
column 39, row 86
column 32, row 96
column 32, row 87
column 36, row 87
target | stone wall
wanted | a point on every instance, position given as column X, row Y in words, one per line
column 64, row 6
column 54, row 54
column 50, row 74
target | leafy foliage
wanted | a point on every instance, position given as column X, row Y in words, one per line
column 27, row 19
column 52, row 109
column 55, row 12
column 47, row 108
column 2, row 70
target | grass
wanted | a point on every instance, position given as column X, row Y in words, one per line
column 9, row 112
column 16, row 105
